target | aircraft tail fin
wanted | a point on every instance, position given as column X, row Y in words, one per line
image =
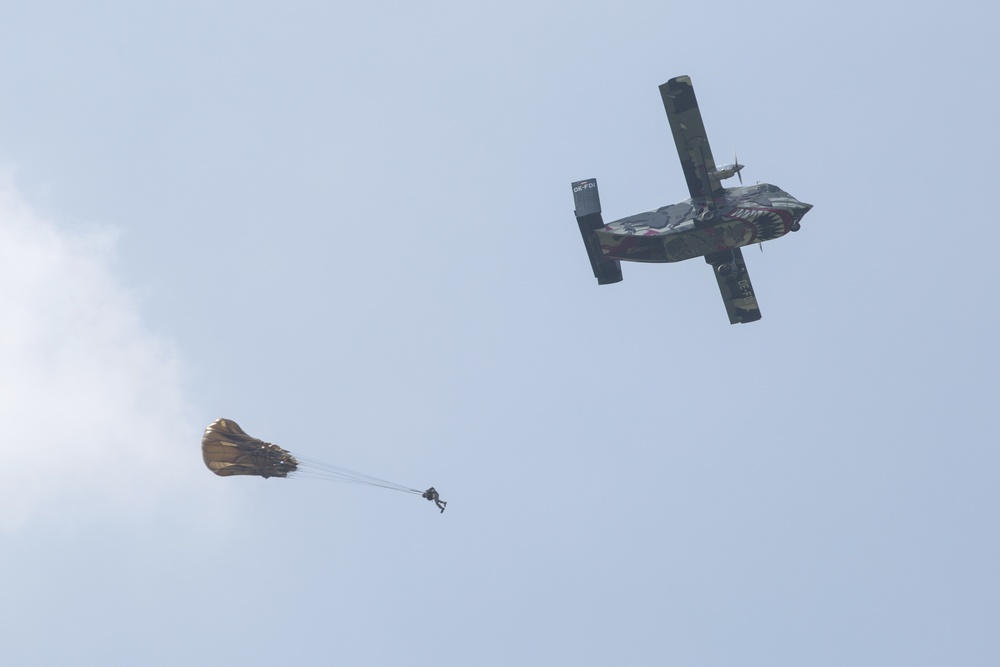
column 588, row 217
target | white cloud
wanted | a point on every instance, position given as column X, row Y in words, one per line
column 92, row 418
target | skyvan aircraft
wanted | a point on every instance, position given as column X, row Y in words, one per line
column 714, row 223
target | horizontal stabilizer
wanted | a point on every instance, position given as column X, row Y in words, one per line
column 586, row 198
column 588, row 216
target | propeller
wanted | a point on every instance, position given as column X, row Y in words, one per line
column 729, row 170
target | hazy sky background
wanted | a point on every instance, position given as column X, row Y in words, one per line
column 350, row 229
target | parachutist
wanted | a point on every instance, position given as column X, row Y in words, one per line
column 432, row 494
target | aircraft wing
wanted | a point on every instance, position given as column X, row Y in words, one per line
column 689, row 135
column 737, row 291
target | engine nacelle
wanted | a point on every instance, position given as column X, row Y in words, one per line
column 723, row 261
column 728, row 171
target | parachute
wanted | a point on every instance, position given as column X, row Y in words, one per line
column 229, row 450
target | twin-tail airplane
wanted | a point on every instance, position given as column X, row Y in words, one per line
column 714, row 223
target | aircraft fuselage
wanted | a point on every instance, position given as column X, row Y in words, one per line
column 694, row 228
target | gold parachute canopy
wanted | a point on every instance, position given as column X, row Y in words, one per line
column 229, row 450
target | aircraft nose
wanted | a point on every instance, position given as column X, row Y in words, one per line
column 797, row 214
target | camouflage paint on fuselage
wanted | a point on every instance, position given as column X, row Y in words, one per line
column 742, row 216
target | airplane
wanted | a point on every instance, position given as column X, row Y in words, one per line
column 714, row 223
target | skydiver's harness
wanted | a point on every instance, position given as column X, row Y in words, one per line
column 432, row 494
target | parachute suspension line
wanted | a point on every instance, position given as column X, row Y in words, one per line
column 307, row 472
column 316, row 470
column 325, row 477
column 347, row 475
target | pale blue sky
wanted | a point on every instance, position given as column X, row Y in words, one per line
column 350, row 228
